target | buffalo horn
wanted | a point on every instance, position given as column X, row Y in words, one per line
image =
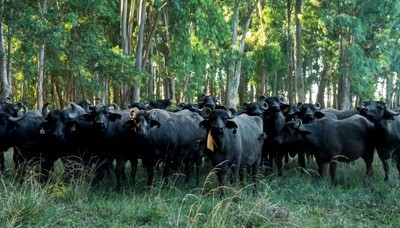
column 115, row 106
column 298, row 124
column 231, row 113
column 387, row 109
column 19, row 117
column 264, row 105
column 299, row 105
column 206, row 112
column 45, row 110
column 282, row 100
column 73, row 110
column 317, row 105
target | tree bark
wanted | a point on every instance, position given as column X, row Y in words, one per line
column 290, row 86
column 299, row 76
column 233, row 78
column 5, row 83
column 42, row 11
column 343, row 98
column 139, row 50
column 124, row 33
column 263, row 77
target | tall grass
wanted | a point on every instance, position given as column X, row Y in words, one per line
column 297, row 199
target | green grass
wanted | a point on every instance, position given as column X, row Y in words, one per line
column 294, row 200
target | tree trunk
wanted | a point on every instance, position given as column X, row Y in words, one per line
column 263, row 77
column 233, row 77
column 9, row 52
column 5, row 83
column 124, row 33
column 290, row 54
column 344, row 83
column 322, row 85
column 299, row 76
column 39, row 104
column 139, row 50
column 42, row 11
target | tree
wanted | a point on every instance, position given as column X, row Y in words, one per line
column 6, row 87
column 234, row 68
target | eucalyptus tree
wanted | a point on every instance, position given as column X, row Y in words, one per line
column 237, row 48
column 6, row 85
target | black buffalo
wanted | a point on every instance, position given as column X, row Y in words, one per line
column 13, row 110
column 104, row 140
column 159, row 104
column 233, row 142
column 209, row 101
column 24, row 134
column 387, row 127
column 274, row 122
column 334, row 140
column 340, row 114
column 173, row 137
column 59, row 131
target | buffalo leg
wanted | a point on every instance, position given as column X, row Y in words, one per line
column 368, row 159
column 279, row 163
column 134, row 164
column 2, row 163
column 332, row 170
column 119, row 172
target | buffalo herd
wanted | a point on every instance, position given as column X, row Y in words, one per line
column 259, row 136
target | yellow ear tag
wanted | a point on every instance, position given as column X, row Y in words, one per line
column 42, row 131
column 73, row 128
column 210, row 142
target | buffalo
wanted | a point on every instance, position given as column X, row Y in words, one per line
column 334, row 140
column 173, row 137
column 233, row 142
column 387, row 127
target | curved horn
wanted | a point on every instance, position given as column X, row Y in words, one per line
column 298, row 124
column 206, row 112
column 20, row 117
column 134, row 112
column 231, row 113
column 299, row 105
column 282, row 100
column 181, row 105
column 264, row 105
column 115, row 106
column 45, row 110
column 245, row 106
column 317, row 105
column 9, row 100
column 262, row 98
column 387, row 109
column 74, row 110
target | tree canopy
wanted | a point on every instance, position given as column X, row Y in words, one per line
column 337, row 52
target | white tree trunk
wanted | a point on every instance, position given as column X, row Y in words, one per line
column 5, row 83
column 139, row 49
column 42, row 11
column 40, row 76
column 234, row 79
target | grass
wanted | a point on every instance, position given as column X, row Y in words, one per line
column 294, row 200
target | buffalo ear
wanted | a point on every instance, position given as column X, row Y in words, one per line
column 388, row 117
column 319, row 114
column 114, row 116
column 304, row 132
column 154, row 124
column 128, row 124
column 87, row 117
column 231, row 124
